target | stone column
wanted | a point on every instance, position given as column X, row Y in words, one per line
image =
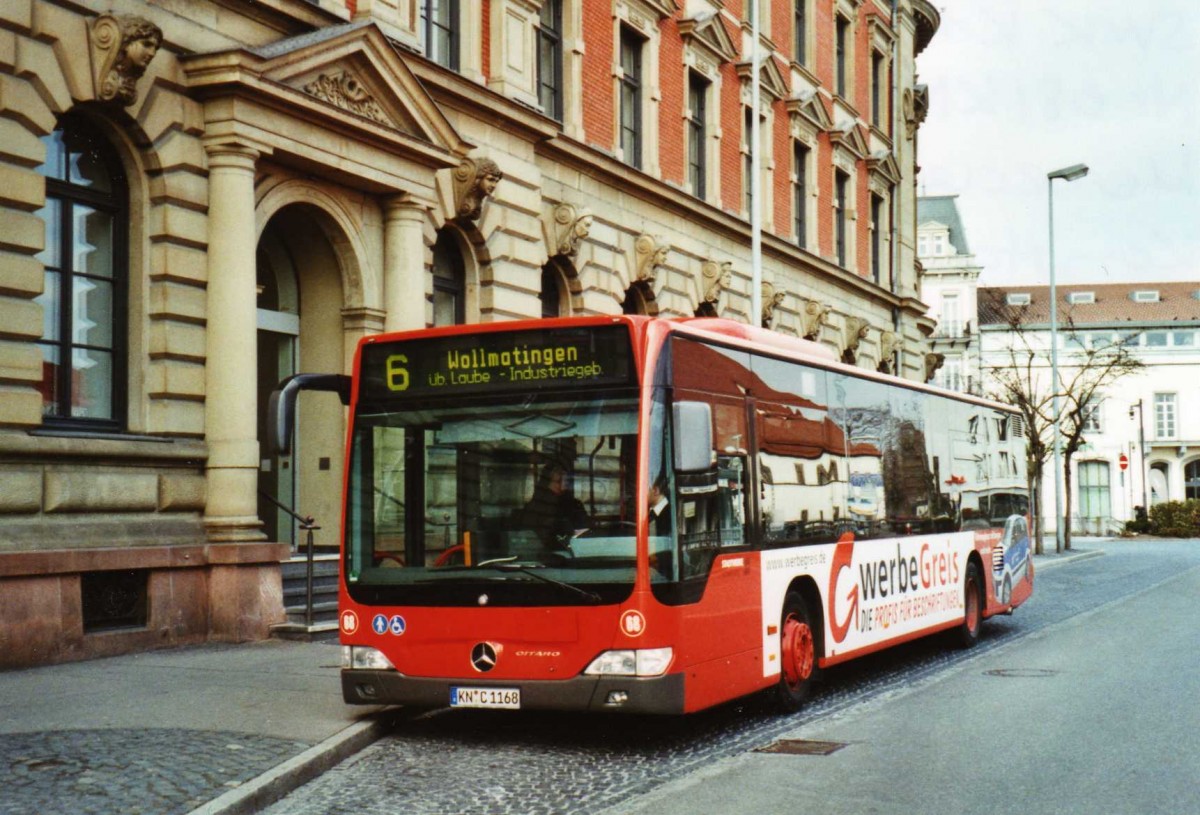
column 403, row 264
column 231, row 371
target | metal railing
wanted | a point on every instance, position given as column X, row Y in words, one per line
column 309, row 524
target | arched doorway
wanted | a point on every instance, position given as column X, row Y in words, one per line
column 300, row 330
column 1158, row 483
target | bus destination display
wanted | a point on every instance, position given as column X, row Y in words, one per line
column 501, row 361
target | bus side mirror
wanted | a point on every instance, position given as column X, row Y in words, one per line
column 693, row 435
column 281, row 408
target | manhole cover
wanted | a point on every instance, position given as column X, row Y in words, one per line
column 1021, row 673
column 802, row 747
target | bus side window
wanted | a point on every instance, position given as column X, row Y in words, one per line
column 712, row 515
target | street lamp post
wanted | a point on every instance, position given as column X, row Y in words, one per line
column 1141, row 447
column 1072, row 173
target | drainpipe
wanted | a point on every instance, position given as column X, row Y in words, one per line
column 893, row 204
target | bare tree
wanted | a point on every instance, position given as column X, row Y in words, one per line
column 1095, row 362
column 1020, row 376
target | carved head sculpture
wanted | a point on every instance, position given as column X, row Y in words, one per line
column 649, row 253
column 572, row 226
column 124, row 47
column 474, row 180
column 718, row 276
column 816, row 315
column 932, row 363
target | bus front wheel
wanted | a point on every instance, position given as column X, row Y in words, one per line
column 797, row 654
column 968, row 632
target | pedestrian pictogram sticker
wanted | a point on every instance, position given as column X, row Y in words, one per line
column 349, row 622
column 398, row 625
column 633, row 623
column 380, row 624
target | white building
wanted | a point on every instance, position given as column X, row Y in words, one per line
column 949, row 279
column 1119, row 467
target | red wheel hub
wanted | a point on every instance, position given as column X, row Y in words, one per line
column 798, row 655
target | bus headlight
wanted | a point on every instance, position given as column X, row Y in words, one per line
column 643, row 662
column 361, row 658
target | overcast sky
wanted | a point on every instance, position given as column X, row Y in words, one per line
column 1024, row 87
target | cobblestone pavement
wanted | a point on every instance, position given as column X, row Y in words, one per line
column 464, row 762
column 128, row 771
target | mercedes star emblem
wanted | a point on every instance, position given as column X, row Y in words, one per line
column 483, row 657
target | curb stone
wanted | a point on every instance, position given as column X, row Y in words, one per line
column 259, row 793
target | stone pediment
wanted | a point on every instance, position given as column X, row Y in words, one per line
column 850, row 138
column 706, row 33
column 773, row 82
column 809, row 109
column 884, row 164
column 347, row 76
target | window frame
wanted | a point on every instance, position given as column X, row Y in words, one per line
column 550, row 39
column 877, row 231
column 450, row 27
column 699, row 88
column 801, row 155
column 841, row 55
column 453, row 284
column 841, row 188
column 1165, row 415
column 629, row 122
column 70, row 197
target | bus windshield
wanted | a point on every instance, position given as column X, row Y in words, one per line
column 524, row 500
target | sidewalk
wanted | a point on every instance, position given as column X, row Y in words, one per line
column 210, row 730
column 215, row 729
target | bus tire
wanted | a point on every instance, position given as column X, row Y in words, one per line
column 797, row 654
column 968, row 632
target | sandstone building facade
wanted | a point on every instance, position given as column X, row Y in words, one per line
column 200, row 198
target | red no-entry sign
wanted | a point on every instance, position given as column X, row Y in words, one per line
column 1123, row 461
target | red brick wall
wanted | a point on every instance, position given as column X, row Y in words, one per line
column 486, row 11
column 782, row 179
column 732, row 119
column 598, row 124
column 673, row 84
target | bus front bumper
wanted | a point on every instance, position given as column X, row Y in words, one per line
column 613, row 694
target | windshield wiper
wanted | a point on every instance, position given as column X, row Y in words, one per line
column 527, row 568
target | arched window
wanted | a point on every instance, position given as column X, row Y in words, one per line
column 1191, row 479
column 449, row 281
column 554, row 294
column 635, row 301
column 83, row 302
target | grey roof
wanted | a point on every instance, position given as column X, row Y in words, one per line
column 280, row 47
column 941, row 208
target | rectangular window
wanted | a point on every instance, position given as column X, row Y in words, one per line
column 951, row 315
column 1183, row 339
column 1091, row 417
column 877, row 88
column 697, row 142
column 631, row 97
column 841, row 43
column 841, row 186
column 800, row 32
column 1156, row 339
column 439, row 24
column 800, row 194
column 550, row 59
column 1164, row 415
column 1095, row 498
column 877, row 229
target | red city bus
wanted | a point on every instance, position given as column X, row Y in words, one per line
column 655, row 516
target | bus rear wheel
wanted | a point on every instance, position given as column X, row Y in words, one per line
column 968, row 632
column 797, row 654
